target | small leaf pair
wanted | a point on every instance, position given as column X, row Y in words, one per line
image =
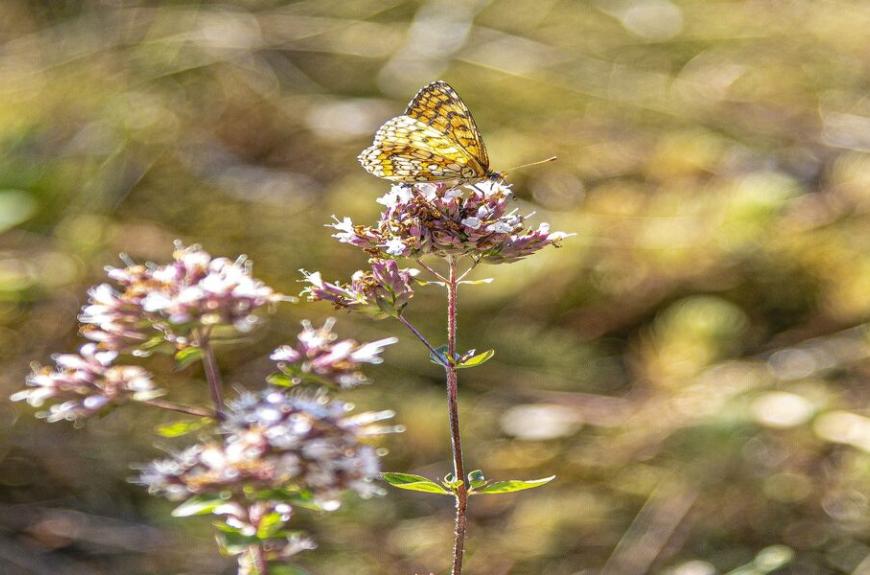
column 469, row 359
column 413, row 482
column 476, row 480
column 180, row 428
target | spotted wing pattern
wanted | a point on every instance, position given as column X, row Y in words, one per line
column 438, row 105
column 406, row 150
column 436, row 140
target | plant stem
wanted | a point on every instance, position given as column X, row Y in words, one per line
column 260, row 561
column 212, row 374
column 461, row 492
column 177, row 407
column 431, row 271
column 422, row 338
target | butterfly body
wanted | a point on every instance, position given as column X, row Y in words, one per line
column 435, row 140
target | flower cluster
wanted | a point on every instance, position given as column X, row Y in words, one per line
column 383, row 291
column 436, row 219
column 268, row 519
column 278, row 440
column 267, row 452
column 194, row 290
column 83, row 384
column 318, row 357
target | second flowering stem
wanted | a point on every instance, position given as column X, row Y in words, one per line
column 259, row 556
column 212, row 373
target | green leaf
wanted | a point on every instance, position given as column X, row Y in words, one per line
column 413, row 482
column 227, row 528
column 305, row 500
column 187, row 356
column 280, row 380
column 179, row 428
column 513, row 485
column 291, row 376
column 198, row 505
column 451, row 482
column 476, row 479
column 270, row 525
column 231, row 541
column 477, row 282
column 441, row 358
column 153, row 342
column 476, row 360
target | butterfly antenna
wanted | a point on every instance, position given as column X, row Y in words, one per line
column 551, row 159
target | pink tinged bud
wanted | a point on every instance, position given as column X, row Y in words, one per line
column 370, row 352
column 155, row 302
column 285, row 353
column 338, row 352
column 95, row 402
column 71, row 361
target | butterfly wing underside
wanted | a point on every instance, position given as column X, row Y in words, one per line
column 436, row 140
column 406, row 150
column 439, row 106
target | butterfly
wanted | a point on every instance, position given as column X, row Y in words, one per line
column 435, row 140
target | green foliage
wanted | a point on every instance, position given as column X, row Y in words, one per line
column 188, row 356
column 199, row 505
column 451, row 482
column 291, row 376
column 440, row 359
column 182, row 427
column 231, row 541
column 477, row 282
column 511, row 485
column 463, row 361
column 476, row 479
column 281, row 380
column 707, row 150
column 270, row 526
column 413, row 482
column 475, row 360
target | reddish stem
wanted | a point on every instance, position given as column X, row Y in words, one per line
column 177, row 407
column 260, row 561
column 461, row 492
column 212, row 374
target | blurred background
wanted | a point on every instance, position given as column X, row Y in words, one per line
column 692, row 365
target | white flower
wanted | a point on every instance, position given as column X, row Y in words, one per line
column 319, row 356
column 472, row 222
column 394, row 247
column 370, row 352
column 397, row 195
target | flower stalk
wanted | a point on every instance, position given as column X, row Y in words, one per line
column 212, row 374
column 454, row 223
column 179, row 408
column 259, row 455
column 461, row 491
column 413, row 329
column 259, row 556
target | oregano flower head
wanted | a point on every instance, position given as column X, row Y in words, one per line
column 434, row 218
column 83, row 384
column 193, row 291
